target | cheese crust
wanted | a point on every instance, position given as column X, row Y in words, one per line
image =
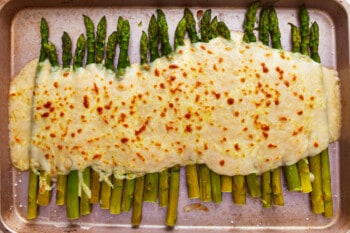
column 239, row 108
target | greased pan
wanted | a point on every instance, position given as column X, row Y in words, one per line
column 20, row 42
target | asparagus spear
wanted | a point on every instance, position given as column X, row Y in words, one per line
column 276, row 173
column 66, row 50
column 85, row 206
column 214, row 28
column 223, row 30
column 128, row 194
column 90, row 42
column 32, row 211
column 204, row 183
column 165, row 50
column 73, row 195
column 95, row 186
column 79, row 52
column 116, row 196
column 123, row 60
column 264, row 29
column 314, row 35
column 252, row 180
column 191, row 170
column 317, row 203
column 317, row 194
column 44, row 194
column 44, row 32
column 143, row 48
column 249, row 21
column 205, row 26
column 226, row 183
column 180, row 32
column 153, row 39
column 106, row 191
column 191, row 26
column 303, row 164
column 304, row 30
column 136, row 216
column 326, row 184
column 291, row 171
column 151, row 179
column 238, row 190
column 173, row 196
column 163, row 33
column 100, row 40
column 110, row 51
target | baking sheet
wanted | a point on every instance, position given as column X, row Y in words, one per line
column 21, row 20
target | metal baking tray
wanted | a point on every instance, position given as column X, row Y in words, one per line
column 20, row 41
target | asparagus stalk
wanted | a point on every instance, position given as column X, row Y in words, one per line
column 153, row 39
column 123, row 60
column 180, row 32
column 85, row 206
column 100, row 40
column 61, row 189
column 252, row 180
column 291, row 171
column 204, row 183
column 264, row 37
column 223, row 30
column 303, row 165
column 163, row 33
column 90, row 42
column 326, row 184
column 317, row 194
column 264, row 30
column 276, row 173
column 116, row 196
column 106, row 191
column 191, row 26
column 66, row 50
column 95, row 186
column 317, row 203
column 128, row 194
column 173, row 196
column 110, row 50
column 44, row 32
column 79, row 52
column 191, row 170
column 136, row 217
column 73, row 195
column 253, row 185
column 226, row 183
column 205, row 175
column 238, row 190
column 32, row 211
column 214, row 28
column 249, row 21
column 165, row 50
column 44, row 194
column 205, row 28
column 304, row 30
column 151, row 179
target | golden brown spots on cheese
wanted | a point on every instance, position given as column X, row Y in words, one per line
column 237, row 147
column 230, row 101
column 173, row 66
column 271, row 146
column 300, row 112
column 86, row 101
column 316, row 144
column 222, row 163
column 264, row 67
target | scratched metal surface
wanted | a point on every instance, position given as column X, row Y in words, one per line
column 20, row 41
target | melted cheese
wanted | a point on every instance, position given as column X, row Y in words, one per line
column 239, row 108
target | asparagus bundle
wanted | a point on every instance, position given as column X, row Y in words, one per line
column 132, row 192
